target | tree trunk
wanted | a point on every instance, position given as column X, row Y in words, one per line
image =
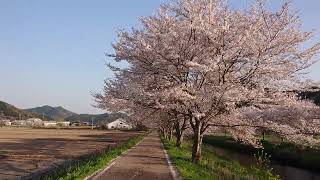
column 165, row 135
column 170, row 134
column 179, row 139
column 196, row 149
column 179, row 132
column 161, row 131
column 197, row 142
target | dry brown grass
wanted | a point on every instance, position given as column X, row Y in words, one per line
column 24, row 151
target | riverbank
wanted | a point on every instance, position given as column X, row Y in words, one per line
column 284, row 153
column 212, row 166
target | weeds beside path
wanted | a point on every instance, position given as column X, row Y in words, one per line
column 211, row 166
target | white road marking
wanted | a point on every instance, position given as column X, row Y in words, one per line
column 105, row 169
column 173, row 170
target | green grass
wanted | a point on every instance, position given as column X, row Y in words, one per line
column 283, row 152
column 90, row 164
column 212, row 166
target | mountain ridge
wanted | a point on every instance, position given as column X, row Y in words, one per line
column 9, row 110
column 50, row 113
column 56, row 113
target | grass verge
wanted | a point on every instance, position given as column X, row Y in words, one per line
column 86, row 166
column 284, row 152
column 212, row 166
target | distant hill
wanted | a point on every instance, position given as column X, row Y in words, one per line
column 97, row 119
column 55, row 113
column 11, row 111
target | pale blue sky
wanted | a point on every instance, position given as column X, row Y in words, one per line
column 52, row 51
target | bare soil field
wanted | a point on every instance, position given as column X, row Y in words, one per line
column 24, row 151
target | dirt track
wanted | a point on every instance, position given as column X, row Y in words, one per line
column 24, row 151
column 146, row 161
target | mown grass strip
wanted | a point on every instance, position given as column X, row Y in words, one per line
column 212, row 166
column 89, row 165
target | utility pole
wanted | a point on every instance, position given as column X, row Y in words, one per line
column 91, row 123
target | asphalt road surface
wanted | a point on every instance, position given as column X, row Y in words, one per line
column 147, row 161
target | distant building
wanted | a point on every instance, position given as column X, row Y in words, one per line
column 34, row 122
column 19, row 123
column 80, row 124
column 49, row 123
column 75, row 124
column 119, row 124
column 5, row 123
column 85, row 123
column 64, row 123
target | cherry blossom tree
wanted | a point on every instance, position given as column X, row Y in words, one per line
column 204, row 62
column 180, row 124
column 297, row 120
column 126, row 96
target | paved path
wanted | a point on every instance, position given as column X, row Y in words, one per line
column 147, row 161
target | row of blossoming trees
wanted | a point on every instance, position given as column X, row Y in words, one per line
column 198, row 66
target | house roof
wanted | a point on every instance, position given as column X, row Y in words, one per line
column 34, row 119
column 120, row 120
column 53, row 122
